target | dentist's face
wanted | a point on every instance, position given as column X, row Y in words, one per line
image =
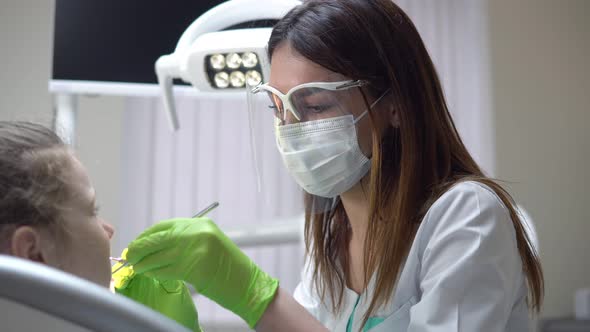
column 290, row 69
column 82, row 242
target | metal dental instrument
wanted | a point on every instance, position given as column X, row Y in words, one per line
column 199, row 214
column 206, row 210
column 119, row 260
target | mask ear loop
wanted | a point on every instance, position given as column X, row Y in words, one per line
column 370, row 107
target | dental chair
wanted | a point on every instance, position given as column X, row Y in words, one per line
column 35, row 297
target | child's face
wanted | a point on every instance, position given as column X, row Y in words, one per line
column 84, row 237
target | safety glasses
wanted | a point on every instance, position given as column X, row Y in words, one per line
column 310, row 101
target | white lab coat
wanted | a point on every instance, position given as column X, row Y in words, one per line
column 463, row 273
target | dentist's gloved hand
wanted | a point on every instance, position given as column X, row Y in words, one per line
column 197, row 251
column 171, row 298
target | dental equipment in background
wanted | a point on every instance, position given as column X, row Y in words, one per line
column 213, row 55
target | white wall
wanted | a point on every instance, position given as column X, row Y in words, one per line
column 541, row 92
column 25, row 59
column 26, row 37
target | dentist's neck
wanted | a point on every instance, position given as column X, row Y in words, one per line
column 356, row 205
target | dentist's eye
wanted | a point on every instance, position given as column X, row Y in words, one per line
column 318, row 108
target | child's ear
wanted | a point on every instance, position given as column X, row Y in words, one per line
column 26, row 243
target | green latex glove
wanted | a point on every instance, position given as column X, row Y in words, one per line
column 197, row 251
column 171, row 298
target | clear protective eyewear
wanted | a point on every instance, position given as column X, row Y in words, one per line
column 309, row 101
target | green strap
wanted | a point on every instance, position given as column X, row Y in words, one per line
column 371, row 322
column 349, row 325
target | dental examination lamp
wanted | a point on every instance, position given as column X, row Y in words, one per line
column 215, row 56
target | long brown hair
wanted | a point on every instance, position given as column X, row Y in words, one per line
column 412, row 166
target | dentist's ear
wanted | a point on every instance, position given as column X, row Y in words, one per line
column 26, row 243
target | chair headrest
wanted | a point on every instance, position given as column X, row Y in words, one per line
column 76, row 300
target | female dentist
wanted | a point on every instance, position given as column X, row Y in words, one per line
column 418, row 239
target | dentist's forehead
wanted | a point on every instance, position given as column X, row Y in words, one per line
column 289, row 69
